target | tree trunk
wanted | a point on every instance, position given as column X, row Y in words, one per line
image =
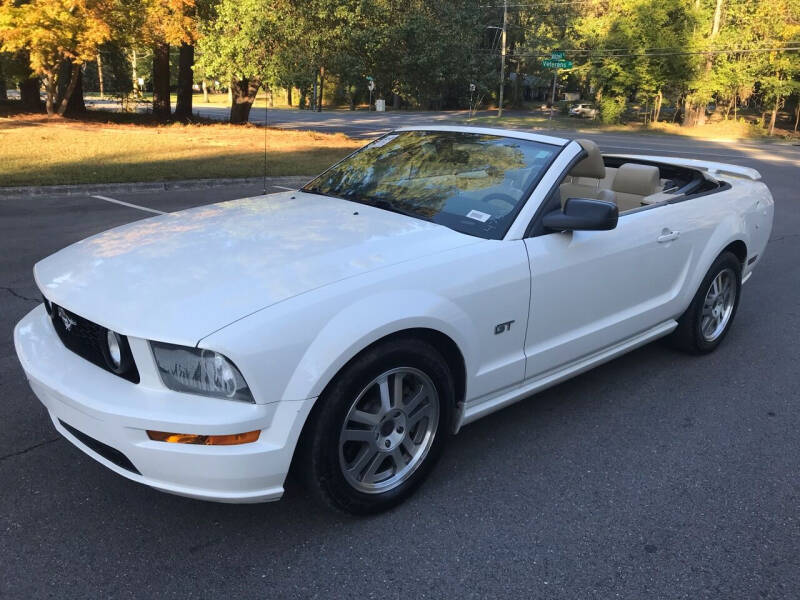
column 100, row 75
column 321, row 85
column 29, row 94
column 205, row 92
column 51, row 89
column 70, row 103
column 230, row 95
column 774, row 115
column 51, row 92
column 700, row 115
column 244, row 94
column 76, row 105
column 65, row 96
column 183, row 109
column 137, row 92
column 3, row 90
column 161, row 103
column 289, row 95
column 657, row 106
column 797, row 114
column 688, row 113
column 729, row 108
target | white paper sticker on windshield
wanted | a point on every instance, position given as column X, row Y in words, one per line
column 478, row 216
column 382, row 141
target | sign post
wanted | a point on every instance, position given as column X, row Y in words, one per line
column 472, row 89
column 555, row 62
column 371, row 86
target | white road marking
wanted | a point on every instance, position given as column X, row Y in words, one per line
column 280, row 187
column 128, row 204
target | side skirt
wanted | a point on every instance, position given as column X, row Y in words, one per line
column 551, row 378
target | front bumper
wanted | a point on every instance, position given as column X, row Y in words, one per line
column 97, row 406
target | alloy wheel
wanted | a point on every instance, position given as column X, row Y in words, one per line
column 718, row 305
column 388, row 430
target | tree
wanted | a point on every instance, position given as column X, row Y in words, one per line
column 240, row 46
column 56, row 33
column 166, row 23
column 16, row 68
column 778, row 23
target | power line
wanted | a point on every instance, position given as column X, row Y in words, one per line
column 535, row 4
column 613, row 53
column 541, row 4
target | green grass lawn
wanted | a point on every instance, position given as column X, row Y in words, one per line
column 35, row 150
column 719, row 130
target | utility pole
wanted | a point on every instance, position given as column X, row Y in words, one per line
column 503, row 58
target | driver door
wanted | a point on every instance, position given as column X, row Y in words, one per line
column 592, row 289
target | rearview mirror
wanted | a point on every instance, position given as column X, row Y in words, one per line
column 583, row 214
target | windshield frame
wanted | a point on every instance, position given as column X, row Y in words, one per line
column 524, row 198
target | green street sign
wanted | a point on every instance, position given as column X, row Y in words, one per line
column 557, row 55
column 557, row 64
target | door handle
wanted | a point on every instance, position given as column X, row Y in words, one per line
column 668, row 236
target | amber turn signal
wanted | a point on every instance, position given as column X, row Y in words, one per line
column 205, row 440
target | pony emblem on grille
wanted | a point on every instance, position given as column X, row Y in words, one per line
column 68, row 321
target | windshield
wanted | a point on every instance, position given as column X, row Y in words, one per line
column 471, row 182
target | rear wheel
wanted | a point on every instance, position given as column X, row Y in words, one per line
column 709, row 317
column 379, row 427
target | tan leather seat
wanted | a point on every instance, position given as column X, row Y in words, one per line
column 633, row 182
column 591, row 168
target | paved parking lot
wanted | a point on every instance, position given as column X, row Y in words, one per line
column 657, row 475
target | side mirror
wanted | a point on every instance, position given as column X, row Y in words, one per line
column 583, row 214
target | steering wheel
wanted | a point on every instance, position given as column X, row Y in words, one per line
column 500, row 197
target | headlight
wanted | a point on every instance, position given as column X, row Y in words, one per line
column 199, row 371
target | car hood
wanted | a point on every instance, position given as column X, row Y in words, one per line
column 180, row 276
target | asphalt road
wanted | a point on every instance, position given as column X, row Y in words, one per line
column 657, row 475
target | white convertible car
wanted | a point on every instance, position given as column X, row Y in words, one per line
column 349, row 328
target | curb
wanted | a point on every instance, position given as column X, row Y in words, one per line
column 147, row 186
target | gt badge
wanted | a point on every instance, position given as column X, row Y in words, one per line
column 501, row 327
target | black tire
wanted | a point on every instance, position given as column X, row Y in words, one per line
column 318, row 458
column 688, row 336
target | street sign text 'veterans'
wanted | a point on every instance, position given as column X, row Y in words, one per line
column 549, row 63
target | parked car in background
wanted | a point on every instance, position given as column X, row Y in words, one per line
column 583, row 110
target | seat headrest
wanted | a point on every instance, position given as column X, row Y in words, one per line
column 639, row 180
column 591, row 166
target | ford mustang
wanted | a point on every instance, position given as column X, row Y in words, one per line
column 349, row 328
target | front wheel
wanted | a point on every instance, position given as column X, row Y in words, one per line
column 710, row 315
column 379, row 427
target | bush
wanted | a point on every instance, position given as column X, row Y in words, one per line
column 563, row 107
column 611, row 109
